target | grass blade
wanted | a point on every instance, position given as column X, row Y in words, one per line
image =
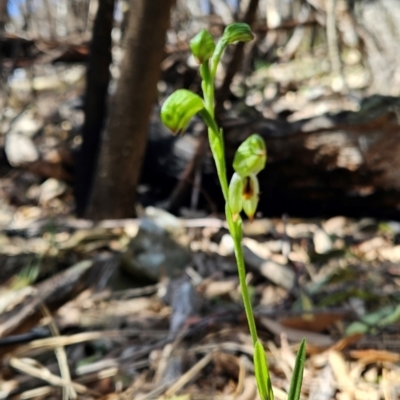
column 297, row 377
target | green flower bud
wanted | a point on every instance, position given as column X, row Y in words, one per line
column 251, row 156
column 235, row 195
column 251, row 195
column 237, row 32
column 202, row 46
column 179, row 109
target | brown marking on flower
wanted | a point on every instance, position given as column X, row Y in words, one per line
column 248, row 189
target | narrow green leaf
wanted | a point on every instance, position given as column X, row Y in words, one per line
column 297, row 377
column 262, row 373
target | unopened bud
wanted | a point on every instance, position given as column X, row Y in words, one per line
column 202, row 46
column 251, row 156
column 251, row 195
column 237, row 32
column 179, row 109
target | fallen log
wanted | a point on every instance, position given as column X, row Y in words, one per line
column 346, row 163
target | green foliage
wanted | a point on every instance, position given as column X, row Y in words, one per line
column 374, row 321
column 242, row 194
column 27, row 276
column 297, row 377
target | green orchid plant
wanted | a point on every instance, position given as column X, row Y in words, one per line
column 242, row 193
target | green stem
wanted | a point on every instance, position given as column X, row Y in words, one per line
column 218, row 150
column 208, row 87
column 235, row 229
column 221, row 46
column 214, row 135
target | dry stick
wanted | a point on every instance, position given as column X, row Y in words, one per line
column 41, row 226
column 162, row 364
column 36, row 393
column 44, row 374
column 281, row 363
column 54, row 342
column 168, row 350
column 184, row 181
column 50, row 19
column 185, row 378
column 67, row 389
column 107, row 372
column 298, row 34
column 241, row 378
column 333, row 41
column 194, row 200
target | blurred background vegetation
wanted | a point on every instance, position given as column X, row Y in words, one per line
column 82, row 82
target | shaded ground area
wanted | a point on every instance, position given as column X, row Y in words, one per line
column 150, row 308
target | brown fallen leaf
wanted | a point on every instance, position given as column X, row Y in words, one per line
column 49, row 170
column 312, row 322
column 347, row 341
column 374, row 356
column 297, row 335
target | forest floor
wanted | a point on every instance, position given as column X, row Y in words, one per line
column 150, row 308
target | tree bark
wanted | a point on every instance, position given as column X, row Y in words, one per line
column 3, row 21
column 335, row 164
column 97, row 81
column 3, row 15
column 124, row 139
